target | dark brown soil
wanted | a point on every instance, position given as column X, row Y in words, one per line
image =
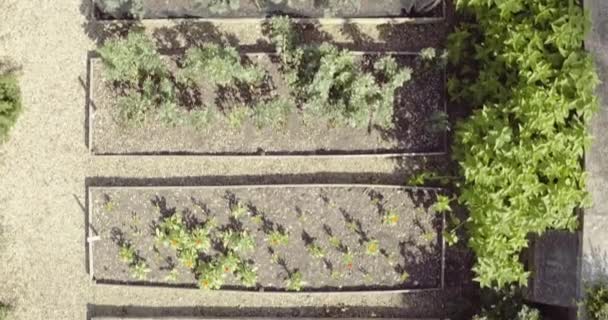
column 413, row 245
column 164, row 9
column 416, row 103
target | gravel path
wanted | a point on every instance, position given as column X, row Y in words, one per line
column 45, row 165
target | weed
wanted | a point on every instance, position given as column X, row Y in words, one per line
column 390, row 218
column 140, row 270
column 10, row 103
column 316, row 251
column 295, row 281
column 127, row 253
column 372, row 247
column 278, row 238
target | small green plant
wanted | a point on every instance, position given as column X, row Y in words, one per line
column 428, row 54
column 442, row 205
column 404, row 276
column 140, row 270
column 335, row 242
column 372, row 247
column 295, row 281
column 10, row 103
column 596, row 302
column 210, row 275
column 135, row 66
column 390, row 218
column 273, row 113
column 278, row 238
column 127, row 253
column 239, row 210
column 173, row 275
column 247, row 274
column 238, row 241
column 316, row 251
column 219, row 65
column 348, row 260
column 188, row 243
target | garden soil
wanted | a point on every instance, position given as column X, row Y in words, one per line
column 45, row 168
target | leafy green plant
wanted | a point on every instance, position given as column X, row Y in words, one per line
column 372, row 247
column 295, row 281
column 247, row 274
column 390, row 218
column 273, row 113
column 120, row 8
column 10, row 103
column 596, row 302
column 522, row 65
column 315, row 251
column 219, row 65
column 140, row 270
column 5, row 310
column 127, row 253
column 188, row 243
column 278, row 238
column 505, row 303
column 136, row 68
column 240, row 241
column 332, row 84
column 210, row 275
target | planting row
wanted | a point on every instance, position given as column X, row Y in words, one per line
column 150, row 9
column 304, row 237
column 305, row 99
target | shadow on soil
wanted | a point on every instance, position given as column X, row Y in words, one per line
column 430, row 304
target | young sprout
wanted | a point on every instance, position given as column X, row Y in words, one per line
column 429, row 236
column 140, row 270
column 348, row 259
column 247, row 274
column 295, row 282
column 127, row 253
column 172, row 275
column 188, row 258
column 240, row 241
column 229, row 263
column 372, row 247
column 316, row 251
column 335, row 242
column 428, row 54
column 210, row 276
column 336, row 275
column 257, row 219
column 442, row 204
column 404, row 277
column 239, row 210
column 201, row 240
column 278, row 238
column 391, row 218
column 109, row 205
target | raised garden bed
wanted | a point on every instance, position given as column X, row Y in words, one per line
column 339, row 237
column 417, row 104
column 389, row 10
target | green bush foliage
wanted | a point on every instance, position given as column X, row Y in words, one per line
column 220, row 65
column 505, row 304
column 5, row 311
column 332, row 83
column 137, row 69
column 10, row 103
column 596, row 302
column 521, row 65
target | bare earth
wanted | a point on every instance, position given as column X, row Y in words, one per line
column 44, row 170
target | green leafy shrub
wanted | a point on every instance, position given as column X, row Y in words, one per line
column 522, row 66
column 220, row 65
column 10, row 103
column 596, row 302
column 137, row 69
column 332, row 83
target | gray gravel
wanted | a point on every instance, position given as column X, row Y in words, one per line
column 45, row 165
